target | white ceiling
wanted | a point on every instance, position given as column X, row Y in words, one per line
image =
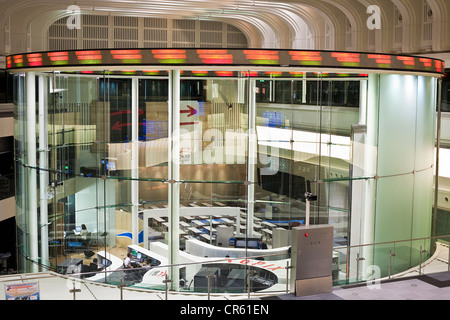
column 278, row 23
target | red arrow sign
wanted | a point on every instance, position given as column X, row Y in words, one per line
column 191, row 111
column 118, row 125
column 141, row 112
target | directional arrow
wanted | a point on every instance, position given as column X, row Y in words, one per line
column 118, row 125
column 141, row 112
column 191, row 111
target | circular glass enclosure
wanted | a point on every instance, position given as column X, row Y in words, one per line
column 187, row 158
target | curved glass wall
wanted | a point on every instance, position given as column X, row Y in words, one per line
column 190, row 169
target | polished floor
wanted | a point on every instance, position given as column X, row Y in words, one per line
column 429, row 282
column 434, row 286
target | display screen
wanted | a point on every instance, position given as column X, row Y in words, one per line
column 231, row 57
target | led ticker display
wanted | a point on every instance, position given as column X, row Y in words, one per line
column 249, row 73
column 296, row 74
column 347, row 59
column 307, row 58
column 170, row 56
column 409, row 62
column 382, row 60
column 215, row 56
column 89, row 57
column 274, row 74
column 224, row 73
column 198, row 73
column 151, row 59
column 127, row 56
column 18, row 60
column 34, row 59
column 439, row 65
column 266, row 57
column 59, row 57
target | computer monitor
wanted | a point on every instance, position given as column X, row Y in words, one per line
column 105, row 262
column 111, row 166
column 240, row 243
column 73, row 244
column 253, row 244
column 78, row 229
column 138, row 256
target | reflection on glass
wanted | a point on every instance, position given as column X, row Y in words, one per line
column 100, row 172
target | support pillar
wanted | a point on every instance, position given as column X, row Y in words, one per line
column 43, row 165
column 174, row 176
column 135, row 160
column 252, row 156
column 33, row 247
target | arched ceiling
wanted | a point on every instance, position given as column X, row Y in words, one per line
column 266, row 23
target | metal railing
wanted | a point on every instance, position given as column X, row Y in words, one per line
column 420, row 253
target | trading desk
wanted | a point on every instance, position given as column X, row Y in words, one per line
column 69, row 266
column 201, row 249
column 109, row 263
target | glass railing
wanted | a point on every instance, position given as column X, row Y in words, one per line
column 251, row 275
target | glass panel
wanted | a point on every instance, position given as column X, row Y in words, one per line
column 251, row 145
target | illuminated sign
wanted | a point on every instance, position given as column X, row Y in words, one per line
column 170, row 56
column 58, row 58
column 151, row 59
column 439, row 65
column 224, row 73
column 262, row 56
column 34, row 59
column 347, row 58
column 127, row 56
column 308, row 58
column 296, row 74
column 89, row 56
column 382, row 60
column 18, row 60
column 215, row 56
column 407, row 61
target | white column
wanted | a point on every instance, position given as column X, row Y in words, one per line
column 174, row 175
column 43, row 164
column 135, row 160
column 31, row 170
column 252, row 156
column 364, row 191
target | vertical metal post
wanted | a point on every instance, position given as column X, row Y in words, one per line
column 357, row 266
column 174, row 174
column 43, row 164
column 166, row 281
column 390, row 263
column 420, row 260
column 209, row 283
column 248, row 282
column 121, row 289
column 308, row 212
column 135, row 160
column 448, row 260
column 252, row 154
column 33, row 243
column 74, row 291
column 287, row 276
column 438, row 147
